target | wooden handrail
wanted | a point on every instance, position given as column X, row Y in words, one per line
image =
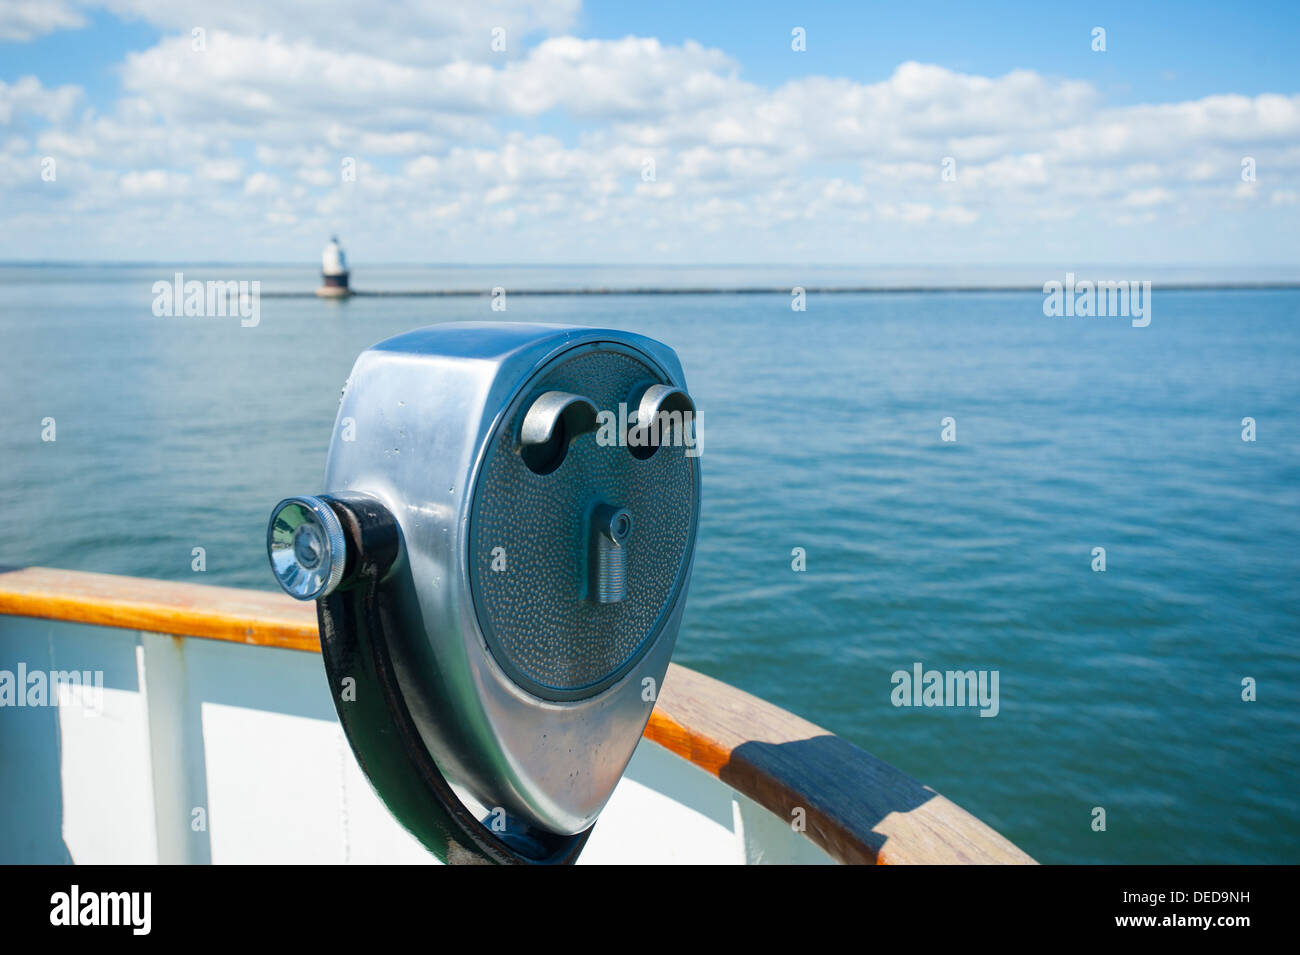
column 855, row 806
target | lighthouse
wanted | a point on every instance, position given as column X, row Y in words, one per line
column 334, row 271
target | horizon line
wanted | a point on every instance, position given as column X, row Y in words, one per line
column 777, row 290
column 307, row 264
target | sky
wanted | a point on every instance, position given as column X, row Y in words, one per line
column 485, row 131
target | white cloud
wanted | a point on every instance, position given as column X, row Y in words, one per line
column 655, row 190
column 221, row 170
column 404, row 31
column 1148, row 197
column 261, row 184
column 631, row 77
column 318, row 177
column 23, row 20
column 28, row 96
column 459, row 150
column 154, row 182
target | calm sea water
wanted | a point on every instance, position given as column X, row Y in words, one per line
column 823, row 431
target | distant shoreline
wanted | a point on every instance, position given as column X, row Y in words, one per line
column 778, row 290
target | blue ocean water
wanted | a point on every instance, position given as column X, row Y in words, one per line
column 822, row 431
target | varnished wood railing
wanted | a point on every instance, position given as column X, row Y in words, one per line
column 854, row 806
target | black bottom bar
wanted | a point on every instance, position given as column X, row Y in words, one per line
column 330, row 906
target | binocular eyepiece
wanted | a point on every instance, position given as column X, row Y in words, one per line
column 500, row 566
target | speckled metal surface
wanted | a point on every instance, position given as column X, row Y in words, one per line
column 533, row 528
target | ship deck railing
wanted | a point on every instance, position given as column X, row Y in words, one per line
column 216, row 741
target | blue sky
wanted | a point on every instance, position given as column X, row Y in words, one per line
column 1157, row 52
column 87, row 56
column 918, row 133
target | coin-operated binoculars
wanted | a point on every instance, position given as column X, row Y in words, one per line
column 500, row 565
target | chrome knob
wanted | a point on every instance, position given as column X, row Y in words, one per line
column 305, row 544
